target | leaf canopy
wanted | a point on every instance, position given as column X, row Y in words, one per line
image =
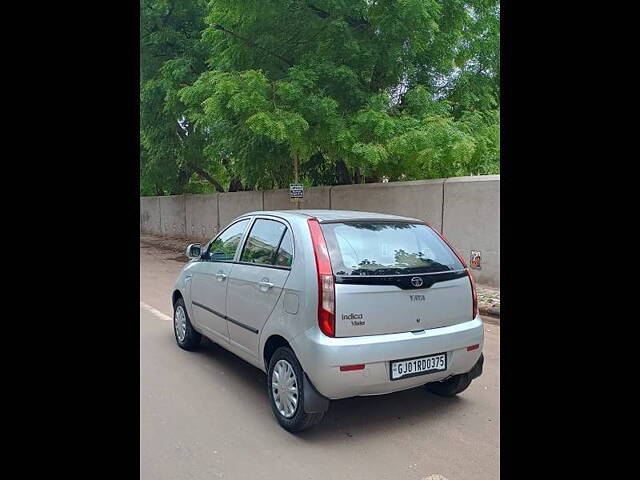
column 355, row 91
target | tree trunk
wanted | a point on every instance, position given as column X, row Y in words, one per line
column 181, row 182
column 356, row 176
column 235, row 185
column 343, row 173
column 204, row 174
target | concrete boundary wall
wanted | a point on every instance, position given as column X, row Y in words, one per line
column 471, row 213
column 465, row 209
column 314, row 197
column 420, row 199
column 201, row 216
column 172, row 215
column 150, row 215
column 234, row 204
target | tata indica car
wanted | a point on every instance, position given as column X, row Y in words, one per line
column 333, row 304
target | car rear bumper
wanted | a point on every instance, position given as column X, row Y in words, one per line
column 322, row 356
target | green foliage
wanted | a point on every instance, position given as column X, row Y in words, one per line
column 355, row 91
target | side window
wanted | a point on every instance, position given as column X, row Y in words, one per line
column 263, row 242
column 284, row 258
column 223, row 248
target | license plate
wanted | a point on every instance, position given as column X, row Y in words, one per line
column 411, row 367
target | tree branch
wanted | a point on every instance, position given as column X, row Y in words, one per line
column 165, row 19
column 321, row 13
column 253, row 44
column 356, row 23
column 204, row 174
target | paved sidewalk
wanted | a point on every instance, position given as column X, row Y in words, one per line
column 489, row 300
column 488, row 297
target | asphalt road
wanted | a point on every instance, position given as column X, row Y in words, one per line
column 205, row 415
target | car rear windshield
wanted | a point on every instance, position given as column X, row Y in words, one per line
column 387, row 248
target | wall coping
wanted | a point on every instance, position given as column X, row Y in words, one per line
column 432, row 181
column 473, row 178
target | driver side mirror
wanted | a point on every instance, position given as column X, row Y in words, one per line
column 194, row 250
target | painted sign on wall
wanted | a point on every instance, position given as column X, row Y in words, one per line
column 475, row 259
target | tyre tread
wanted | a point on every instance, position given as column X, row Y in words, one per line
column 451, row 387
column 301, row 420
column 192, row 338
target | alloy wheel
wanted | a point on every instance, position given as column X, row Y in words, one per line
column 284, row 387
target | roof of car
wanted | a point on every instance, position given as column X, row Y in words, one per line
column 333, row 215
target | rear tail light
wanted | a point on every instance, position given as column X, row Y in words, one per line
column 474, row 293
column 326, row 286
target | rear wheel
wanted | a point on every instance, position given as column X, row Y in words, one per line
column 450, row 387
column 286, row 392
column 186, row 337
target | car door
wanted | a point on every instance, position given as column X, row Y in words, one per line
column 210, row 279
column 257, row 280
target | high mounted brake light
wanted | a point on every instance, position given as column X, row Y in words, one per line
column 326, row 285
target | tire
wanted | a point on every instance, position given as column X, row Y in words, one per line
column 191, row 339
column 451, row 387
column 295, row 419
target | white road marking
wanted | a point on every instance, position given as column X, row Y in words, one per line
column 156, row 312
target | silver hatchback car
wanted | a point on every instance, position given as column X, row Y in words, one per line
column 333, row 304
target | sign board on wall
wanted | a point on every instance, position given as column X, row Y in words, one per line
column 476, row 259
column 296, row 192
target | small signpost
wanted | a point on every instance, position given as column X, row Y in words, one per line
column 296, row 192
column 296, row 189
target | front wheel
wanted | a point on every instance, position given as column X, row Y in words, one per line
column 286, row 392
column 186, row 337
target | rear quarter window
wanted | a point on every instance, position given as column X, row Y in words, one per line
column 284, row 258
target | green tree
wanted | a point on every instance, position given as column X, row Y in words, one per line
column 353, row 91
column 171, row 57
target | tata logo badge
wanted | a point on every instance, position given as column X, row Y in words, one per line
column 416, row 282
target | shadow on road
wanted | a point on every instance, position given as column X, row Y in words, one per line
column 347, row 418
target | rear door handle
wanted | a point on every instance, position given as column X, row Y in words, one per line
column 221, row 277
column 264, row 286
